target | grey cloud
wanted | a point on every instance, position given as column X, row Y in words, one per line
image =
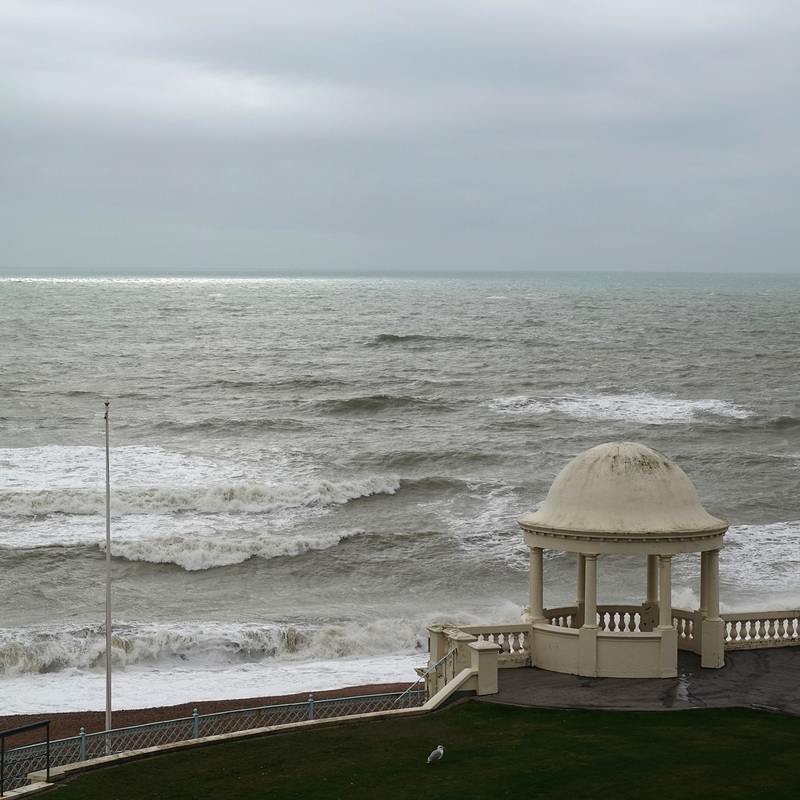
column 468, row 134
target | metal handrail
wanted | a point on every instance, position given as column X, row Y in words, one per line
column 12, row 732
column 421, row 679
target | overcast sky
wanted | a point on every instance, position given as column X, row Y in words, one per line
column 246, row 136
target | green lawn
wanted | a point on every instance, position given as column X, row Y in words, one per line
column 491, row 751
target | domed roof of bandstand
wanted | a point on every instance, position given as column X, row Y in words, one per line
column 623, row 488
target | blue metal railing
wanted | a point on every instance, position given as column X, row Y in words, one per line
column 21, row 761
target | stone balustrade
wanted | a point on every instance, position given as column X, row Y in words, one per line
column 747, row 630
column 452, row 649
column 564, row 617
column 689, row 627
column 619, row 619
column 513, row 639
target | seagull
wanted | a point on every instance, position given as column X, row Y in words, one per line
column 436, row 756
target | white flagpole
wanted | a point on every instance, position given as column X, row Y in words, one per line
column 108, row 582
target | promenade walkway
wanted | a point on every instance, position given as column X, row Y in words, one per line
column 768, row 679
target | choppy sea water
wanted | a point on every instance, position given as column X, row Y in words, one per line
column 307, row 473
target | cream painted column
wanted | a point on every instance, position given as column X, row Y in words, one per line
column 587, row 635
column 536, row 586
column 713, row 584
column 590, row 589
column 704, row 584
column 669, row 635
column 580, row 599
column 652, row 579
column 665, row 592
column 712, row 653
column 650, row 605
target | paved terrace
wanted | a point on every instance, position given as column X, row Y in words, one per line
column 768, row 679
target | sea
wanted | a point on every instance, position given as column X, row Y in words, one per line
column 307, row 473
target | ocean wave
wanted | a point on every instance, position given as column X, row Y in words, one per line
column 784, row 422
column 641, row 408
column 378, row 403
column 222, row 498
column 201, row 645
column 393, row 338
column 193, row 553
column 225, row 425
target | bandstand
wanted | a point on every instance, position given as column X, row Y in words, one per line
column 623, row 498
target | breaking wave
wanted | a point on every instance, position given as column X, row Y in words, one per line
column 199, row 645
column 641, row 408
column 228, row 497
column 198, row 553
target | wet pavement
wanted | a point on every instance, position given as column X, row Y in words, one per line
column 767, row 679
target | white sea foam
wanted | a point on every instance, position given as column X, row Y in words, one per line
column 490, row 531
column 54, row 467
column 762, row 561
column 143, row 687
column 640, row 408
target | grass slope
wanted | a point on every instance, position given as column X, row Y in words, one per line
column 491, row 751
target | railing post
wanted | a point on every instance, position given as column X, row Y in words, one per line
column 195, row 724
column 83, row 745
column 310, row 707
column 438, row 646
column 484, row 662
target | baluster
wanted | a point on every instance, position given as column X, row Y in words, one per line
column 771, row 629
column 637, row 622
column 690, row 624
column 762, row 630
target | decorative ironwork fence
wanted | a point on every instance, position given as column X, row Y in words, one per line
column 21, row 761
